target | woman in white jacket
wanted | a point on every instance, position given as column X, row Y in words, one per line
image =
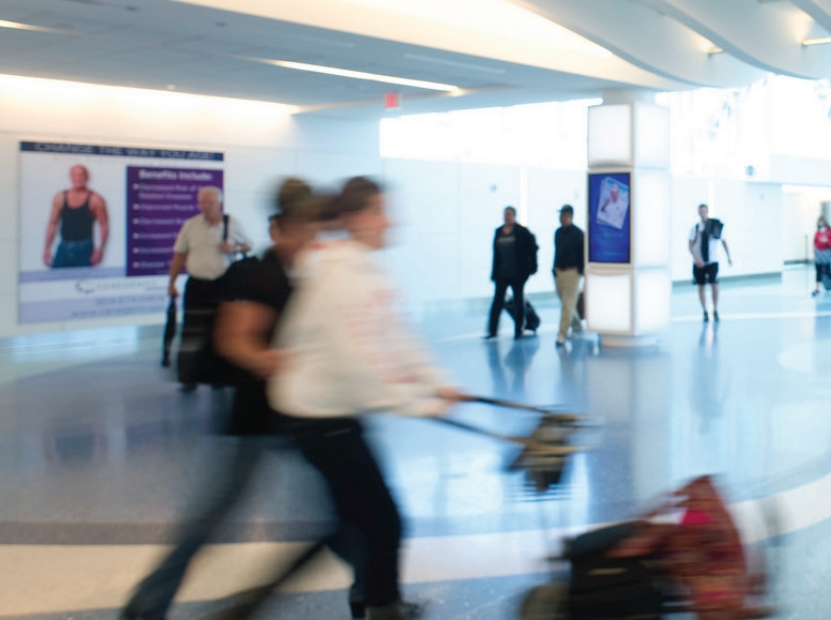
column 349, row 353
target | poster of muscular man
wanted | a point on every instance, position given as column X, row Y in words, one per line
column 98, row 223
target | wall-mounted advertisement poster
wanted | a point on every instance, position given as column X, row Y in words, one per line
column 609, row 218
column 98, row 223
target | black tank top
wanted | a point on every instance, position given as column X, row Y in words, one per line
column 76, row 222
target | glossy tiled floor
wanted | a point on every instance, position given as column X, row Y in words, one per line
column 100, row 454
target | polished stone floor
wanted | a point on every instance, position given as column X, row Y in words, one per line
column 100, row 455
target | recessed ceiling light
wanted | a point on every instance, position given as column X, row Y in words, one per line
column 455, row 63
column 358, row 75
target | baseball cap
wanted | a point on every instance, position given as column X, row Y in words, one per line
column 567, row 209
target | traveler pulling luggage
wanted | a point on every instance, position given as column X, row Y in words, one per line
column 650, row 567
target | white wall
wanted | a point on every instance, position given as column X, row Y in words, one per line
column 447, row 213
column 447, row 210
column 261, row 142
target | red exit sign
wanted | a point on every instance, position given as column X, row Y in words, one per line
column 392, row 101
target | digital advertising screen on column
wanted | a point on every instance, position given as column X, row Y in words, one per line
column 98, row 224
column 610, row 238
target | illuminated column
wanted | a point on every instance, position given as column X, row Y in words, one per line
column 628, row 285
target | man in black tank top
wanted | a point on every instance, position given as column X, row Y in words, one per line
column 76, row 210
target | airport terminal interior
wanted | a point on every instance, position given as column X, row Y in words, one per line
column 117, row 115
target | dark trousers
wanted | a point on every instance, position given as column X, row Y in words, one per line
column 501, row 287
column 154, row 595
column 197, row 362
column 200, row 303
column 823, row 270
column 338, row 450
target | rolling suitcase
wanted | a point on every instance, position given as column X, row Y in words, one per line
column 532, row 319
column 604, row 587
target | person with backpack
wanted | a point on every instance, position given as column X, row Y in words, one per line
column 822, row 255
column 705, row 239
column 206, row 244
column 514, row 261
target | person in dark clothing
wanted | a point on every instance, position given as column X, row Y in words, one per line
column 244, row 331
column 569, row 261
column 514, row 261
column 76, row 210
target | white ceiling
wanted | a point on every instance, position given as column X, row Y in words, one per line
column 518, row 55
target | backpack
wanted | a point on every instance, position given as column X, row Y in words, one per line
column 532, row 256
column 712, row 228
column 237, row 277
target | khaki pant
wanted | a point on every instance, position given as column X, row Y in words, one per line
column 567, row 282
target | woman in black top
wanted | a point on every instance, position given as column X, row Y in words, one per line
column 243, row 336
column 514, row 261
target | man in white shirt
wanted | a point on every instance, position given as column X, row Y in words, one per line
column 705, row 240
column 207, row 250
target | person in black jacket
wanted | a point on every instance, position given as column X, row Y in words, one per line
column 514, row 261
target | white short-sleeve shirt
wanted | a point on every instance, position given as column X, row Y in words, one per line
column 201, row 241
column 696, row 233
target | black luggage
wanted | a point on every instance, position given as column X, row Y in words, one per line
column 604, row 587
column 532, row 319
column 169, row 332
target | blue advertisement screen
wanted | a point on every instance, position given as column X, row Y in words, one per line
column 610, row 238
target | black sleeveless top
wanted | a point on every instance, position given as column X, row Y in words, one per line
column 76, row 222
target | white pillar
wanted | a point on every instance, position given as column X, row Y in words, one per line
column 628, row 284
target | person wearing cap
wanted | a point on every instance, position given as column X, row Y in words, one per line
column 514, row 261
column 569, row 261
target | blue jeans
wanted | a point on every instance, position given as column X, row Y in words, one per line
column 73, row 254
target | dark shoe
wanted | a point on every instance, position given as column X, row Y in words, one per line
column 560, row 343
column 815, row 294
column 409, row 611
column 396, row 611
column 187, row 388
column 706, row 317
column 715, row 315
column 128, row 614
column 519, row 336
column 489, row 336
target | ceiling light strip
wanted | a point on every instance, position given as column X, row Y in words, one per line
column 819, row 41
column 19, row 26
column 358, row 75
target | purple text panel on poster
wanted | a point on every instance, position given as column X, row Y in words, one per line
column 159, row 200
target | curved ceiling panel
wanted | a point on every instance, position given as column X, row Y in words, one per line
column 646, row 38
column 819, row 10
column 767, row 35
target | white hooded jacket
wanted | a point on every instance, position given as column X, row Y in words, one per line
column 348, row 349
